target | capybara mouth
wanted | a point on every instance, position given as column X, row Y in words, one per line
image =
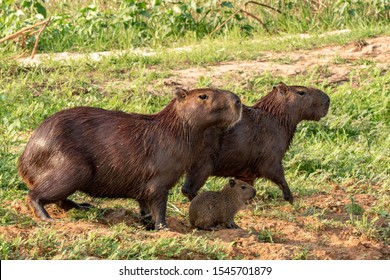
column 324, row 113
column 236, row 120
column 250, row 201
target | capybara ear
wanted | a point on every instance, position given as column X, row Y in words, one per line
column 232, row 183
column 181, row 93
column 282, row 88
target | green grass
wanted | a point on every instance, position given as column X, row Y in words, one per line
column 351, row 144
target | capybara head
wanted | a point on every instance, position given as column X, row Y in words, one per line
column 244, row 192
column 208, row 107
column 301, row 103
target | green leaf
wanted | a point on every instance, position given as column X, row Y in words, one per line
column 26, row 4
column 227, row 4
column 40, row 9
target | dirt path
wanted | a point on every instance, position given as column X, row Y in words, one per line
column 342, row 58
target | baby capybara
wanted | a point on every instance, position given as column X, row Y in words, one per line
column 256, row 145
column 120, row 155
column 211, row 209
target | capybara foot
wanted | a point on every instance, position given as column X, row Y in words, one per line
column 161, row 226
column 212, row 228
column 288, row 197
column 38, row 209
column 68, row 204
column 232, row 226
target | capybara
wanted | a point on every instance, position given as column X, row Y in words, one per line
column 256, row 145
column 115, row 154
column 211, row 209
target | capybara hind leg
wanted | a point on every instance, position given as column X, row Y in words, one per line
column 68, row 204
column 59, row 183
column 38, row 209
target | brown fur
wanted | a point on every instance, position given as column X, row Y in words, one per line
column 211, row 209
column 115, row 154
column 256, row 145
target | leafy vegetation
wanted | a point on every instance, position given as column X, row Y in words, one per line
column 96, row 25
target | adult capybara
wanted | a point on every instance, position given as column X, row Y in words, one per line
column 119, row 155
column 211, row 209
column 256, row 145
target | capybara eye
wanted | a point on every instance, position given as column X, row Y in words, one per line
column 243, row 187
column 203, row 96
column 301, row 92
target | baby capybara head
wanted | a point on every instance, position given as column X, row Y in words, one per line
column 301, row 102
column 243, row 191
column 208, row 107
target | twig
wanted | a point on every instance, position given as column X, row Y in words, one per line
column 21, row 31
column 256, row 18
column 27, row 32
column 223, row 23
column 263, row 5
column 245, row 12
column 37, row 38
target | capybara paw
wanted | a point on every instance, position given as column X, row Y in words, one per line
column 162, row 227
column 289, row 198
column 232, row 226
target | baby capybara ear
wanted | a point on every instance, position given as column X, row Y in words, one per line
column 181, row 93
column 232, row 183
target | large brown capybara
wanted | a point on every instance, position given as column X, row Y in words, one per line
column 212, row 209
column 256, row 145
column 114, row 154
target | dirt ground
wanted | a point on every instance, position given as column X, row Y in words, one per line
column 305, row 235
column 299, row 234
column 295, row 62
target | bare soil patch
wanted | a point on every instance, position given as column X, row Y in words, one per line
column 339, row 60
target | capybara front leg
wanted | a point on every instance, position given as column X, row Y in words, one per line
column 287, row 195
column 158, row 207
column 277, row 176
column 194, row 180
